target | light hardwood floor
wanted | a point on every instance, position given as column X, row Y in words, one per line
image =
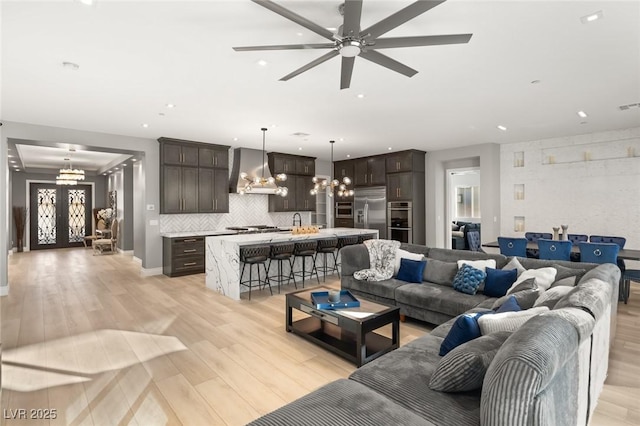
column 87, row 336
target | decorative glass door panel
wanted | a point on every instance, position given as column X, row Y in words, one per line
column 60, row 216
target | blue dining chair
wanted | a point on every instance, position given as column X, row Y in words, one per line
column 629, row 275
column 620, row 241
column 575, row 239
column 510, row 246
column 534, row 237
column 473, row 241
column 599, row 252
column 554, row 249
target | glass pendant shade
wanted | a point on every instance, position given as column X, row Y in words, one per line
column 261, row 182
column 334, row 184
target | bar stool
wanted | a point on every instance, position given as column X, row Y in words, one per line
column 347, row 240
column 363, row 238
column 279, row 253
column 325, row 247
column 254, row 255
column 305, row 249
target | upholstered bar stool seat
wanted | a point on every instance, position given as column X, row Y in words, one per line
column 303, row 250
column 363, row 238
column 279, row 253
column 325, row 247
column 254, row 255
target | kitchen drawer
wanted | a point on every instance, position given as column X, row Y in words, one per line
column 183, row 256
column 181, row 249
column 183, row 265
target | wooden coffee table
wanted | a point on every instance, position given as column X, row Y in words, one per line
column 349, row 333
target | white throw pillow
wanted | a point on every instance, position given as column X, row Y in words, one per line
column 478, row 264
column 400, row 254
column 544, row 278
column 514, row 263
column 552, row 296
column 507, row 321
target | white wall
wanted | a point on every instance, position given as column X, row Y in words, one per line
column 463, row 180
column 600, row 196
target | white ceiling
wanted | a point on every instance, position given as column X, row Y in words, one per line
column 135, row 57
column 33, row 156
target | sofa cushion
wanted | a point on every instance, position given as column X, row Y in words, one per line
column 448, row 255
column 498, row 281
column 514, row 263
column 511, row 305
column 411, row 270
column 403, row 376
column 508, row 321
column 544, row 277
column 552, row 296
column 403, row 254
column 468, row 279
column 437, row 298
column 385, row 289
column 440, row 272
column 340, row 403
column 587, row 296
column 463, row 369
column 525, row 294
column 464, row 329
column 478, row 264
column 567, row 276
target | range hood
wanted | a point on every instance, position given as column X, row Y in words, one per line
column 250, row 161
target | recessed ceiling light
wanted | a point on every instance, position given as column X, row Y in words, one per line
column 332, row 28
column 592, row 17
column 116, row 168
column 299, row 148
column 262, row 63
column 134, row 160
column 170, row 105
column 124, row 165
column 235, row 139
column 389, row 148
column 501, row 127
column 17, row 169
column 86, row 2
column 104, row 174
column 348, row 155
column 341, row 139
column 71, row 66
column 12, row 162
column 299, row 34
column 360, row 95
column 582, row 114
column 10, row 156
column 274, row 125
column 145, row 125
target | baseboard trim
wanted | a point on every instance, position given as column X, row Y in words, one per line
column 148, row 272
column 137, row 260
column 4, row 290
column 126, row 252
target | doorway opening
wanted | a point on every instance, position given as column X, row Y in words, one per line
column 463, row 206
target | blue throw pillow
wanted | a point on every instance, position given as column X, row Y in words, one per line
column 464, row 329
column 511, row 305
column 498, row 281
column 411, row 270
column 468, row 279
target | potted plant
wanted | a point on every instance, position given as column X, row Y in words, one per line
column 20, row 220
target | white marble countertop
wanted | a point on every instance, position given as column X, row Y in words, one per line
column 196, row 234
column 273, row 237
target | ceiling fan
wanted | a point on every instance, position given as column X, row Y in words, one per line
column 350, row 41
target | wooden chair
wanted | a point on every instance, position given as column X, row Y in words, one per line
column 101, row 226
column 102, row 245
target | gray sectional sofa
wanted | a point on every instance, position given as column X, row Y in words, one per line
column 550, row 371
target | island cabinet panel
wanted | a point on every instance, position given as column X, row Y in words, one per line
column 213, row 196
column 299, row 171
column 183, row 169
column 183, row 256
column 370, row 171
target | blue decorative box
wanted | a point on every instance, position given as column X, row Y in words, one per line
column 321, row 300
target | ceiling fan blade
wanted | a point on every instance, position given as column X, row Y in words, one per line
column 347, row 70
column 387, row 62
column 286, row 47
column 310, row 65
column 400, row 17
column 352, row 14
column 292, row 16
column 386, row 43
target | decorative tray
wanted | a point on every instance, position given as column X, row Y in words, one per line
column 321, row 300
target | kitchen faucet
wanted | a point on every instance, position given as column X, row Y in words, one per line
column 299, row 219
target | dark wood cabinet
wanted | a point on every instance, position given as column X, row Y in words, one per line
column 405, row 161
column 182, row 256
column 194, row 177
column 400, row 186
column 343, row 223
column 213, row 157
column 213, row 194
column 343, row 169
column 177, row 153
column 299, row 171
column 370, row 171
column 180, row 189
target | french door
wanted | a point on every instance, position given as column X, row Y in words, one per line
column 59, row 216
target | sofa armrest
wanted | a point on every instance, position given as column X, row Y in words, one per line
column 354, row 258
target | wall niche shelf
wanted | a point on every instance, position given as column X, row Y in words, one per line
column 518, row 191
column 597, row 151
column 518, row 159
column 518, row 223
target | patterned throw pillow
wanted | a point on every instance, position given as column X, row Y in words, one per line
column 468, row 279
column 463, row 369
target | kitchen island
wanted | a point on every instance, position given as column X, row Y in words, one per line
column 222, row 257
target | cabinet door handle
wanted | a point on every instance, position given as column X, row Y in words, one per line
column 189, row 251
column 191, row 240
column 190, row 264
column 371, row 178
column 215, row 160
column 215, row 207
column 365, row 178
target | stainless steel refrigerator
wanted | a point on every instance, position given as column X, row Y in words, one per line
column 370, row 209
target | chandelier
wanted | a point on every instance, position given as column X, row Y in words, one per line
column 260, row 181
column 320, row 184
column 69, row 175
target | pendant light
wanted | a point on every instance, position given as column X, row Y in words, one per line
column 261, row 181
column 69, row 175
column 320, row 184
